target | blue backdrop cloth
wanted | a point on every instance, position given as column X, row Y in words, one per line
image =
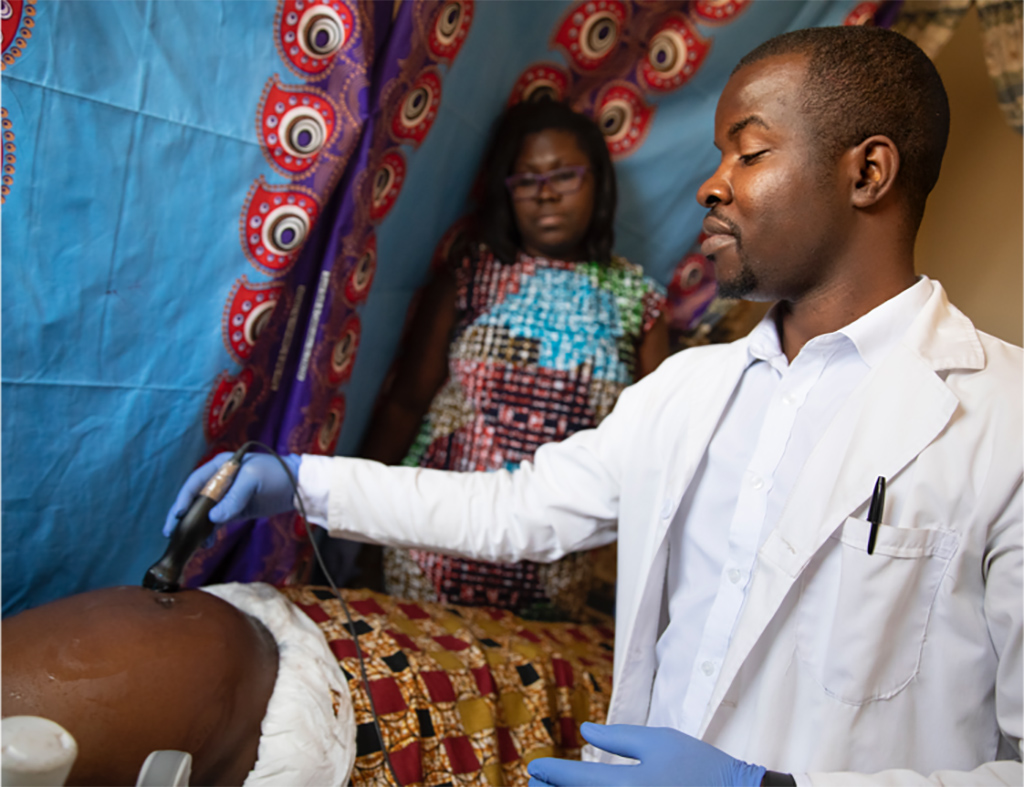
column 216, row 212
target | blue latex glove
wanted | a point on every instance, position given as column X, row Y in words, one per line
column 261, row 488
column 668, row 758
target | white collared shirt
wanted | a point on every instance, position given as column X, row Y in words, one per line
column 742, row 484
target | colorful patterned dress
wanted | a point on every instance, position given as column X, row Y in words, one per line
column 542, row 349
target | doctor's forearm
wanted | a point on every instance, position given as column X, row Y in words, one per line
column 486, row 516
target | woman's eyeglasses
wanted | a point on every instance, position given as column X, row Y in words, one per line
column 564, row 180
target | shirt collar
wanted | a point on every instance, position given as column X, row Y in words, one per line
column 882, row 328
column 764, row 344
column 873, row 335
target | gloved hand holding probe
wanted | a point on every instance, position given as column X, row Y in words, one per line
column 262, row 488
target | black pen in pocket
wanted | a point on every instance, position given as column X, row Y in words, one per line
column 875, row 512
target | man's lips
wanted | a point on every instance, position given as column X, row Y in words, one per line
column 714, row 243
column 719, row 235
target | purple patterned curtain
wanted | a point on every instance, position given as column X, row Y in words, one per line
column 334, row 133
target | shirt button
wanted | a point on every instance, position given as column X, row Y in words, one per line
column 707, row 668
column 666, row 508
column 757, row 482
column 789, row 400
column 734, row 575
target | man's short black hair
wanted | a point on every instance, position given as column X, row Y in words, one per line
column 494, row 220
column 863, row 81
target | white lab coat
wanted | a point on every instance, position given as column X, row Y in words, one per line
column 841, row 664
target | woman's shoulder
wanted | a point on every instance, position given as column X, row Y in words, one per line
column 620, row 263
column 620, row 271
column 478, row 253
column 468, row 259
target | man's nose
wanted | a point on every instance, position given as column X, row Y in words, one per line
column 714, row 190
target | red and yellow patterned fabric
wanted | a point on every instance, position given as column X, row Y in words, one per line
column 465, row 695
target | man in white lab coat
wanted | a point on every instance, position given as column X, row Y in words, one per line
column 775, row 602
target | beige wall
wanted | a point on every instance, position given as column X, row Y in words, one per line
column 971, row 236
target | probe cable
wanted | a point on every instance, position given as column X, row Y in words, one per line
column 323, row 567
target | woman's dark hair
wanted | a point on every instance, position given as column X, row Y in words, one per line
column 494, row 221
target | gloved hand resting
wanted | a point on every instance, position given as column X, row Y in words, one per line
column 261, row 489
column 667, row 758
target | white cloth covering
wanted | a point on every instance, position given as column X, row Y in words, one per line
column 303, row 741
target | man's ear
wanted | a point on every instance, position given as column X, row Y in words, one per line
column 872, row 167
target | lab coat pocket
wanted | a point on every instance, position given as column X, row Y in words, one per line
column 863, row 618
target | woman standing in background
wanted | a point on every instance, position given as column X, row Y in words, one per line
column 529, row 335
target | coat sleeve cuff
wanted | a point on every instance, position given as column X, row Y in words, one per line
column 315, row 487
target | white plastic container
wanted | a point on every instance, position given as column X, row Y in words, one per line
column 35, row 752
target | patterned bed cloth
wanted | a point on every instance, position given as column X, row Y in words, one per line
column 465, row 695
